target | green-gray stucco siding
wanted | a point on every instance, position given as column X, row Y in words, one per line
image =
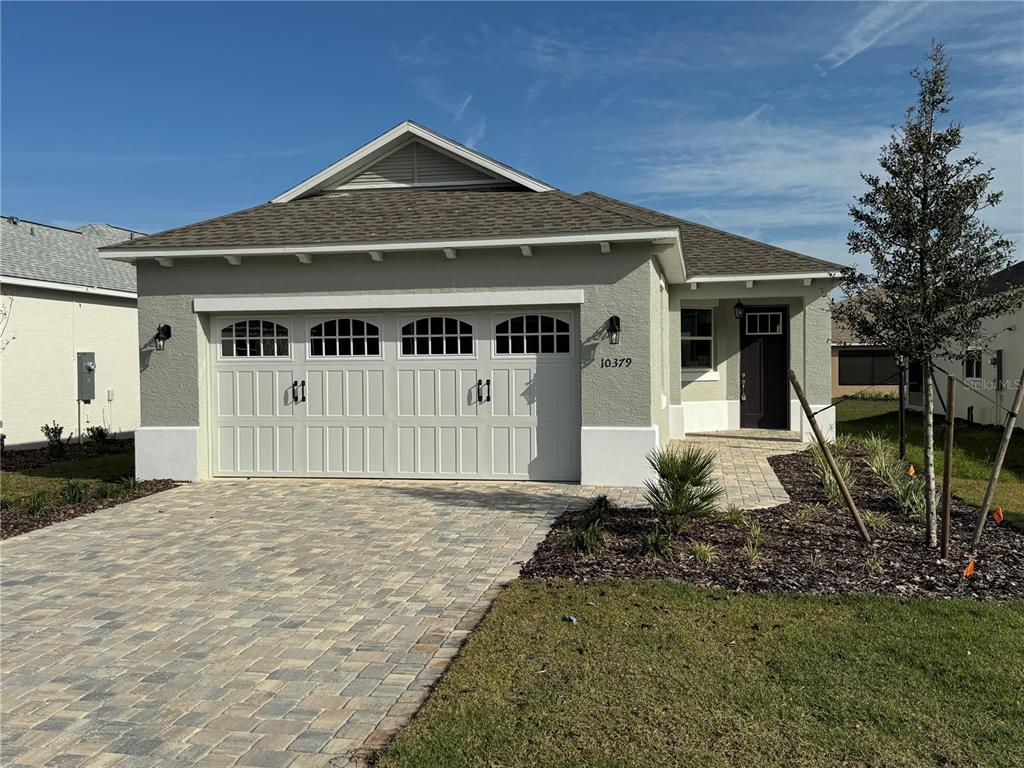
column 620, row 283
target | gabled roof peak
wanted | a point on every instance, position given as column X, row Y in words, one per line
column 481, row 169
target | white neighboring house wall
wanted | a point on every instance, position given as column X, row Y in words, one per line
column 985, row 399
column 46, row 328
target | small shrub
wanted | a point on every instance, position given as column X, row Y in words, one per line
column 691, row 466
column 128, row 483
column 827, row 479
column 756, row 534
column 701, row 552
column 36, row 503
column 55, row 445
column 74, row 492
column 885, row 462
column 733, row 515
column 752, row 553
column 671, row 500
column 843, row 444
column 599, row 509
column 654, row 544
column 875, row 521
column 806, row 514
column 99, row 435
column 588, row 540
column 874, row 565
column 106, row 491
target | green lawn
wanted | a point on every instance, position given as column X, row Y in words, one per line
column 93, row 472
column 662, row 674
column 973, row 455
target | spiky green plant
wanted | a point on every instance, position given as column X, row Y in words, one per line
column 875, row 521
column 654, row 544
column 752, row 553
column 74, row 491
column 805, row 514
column 732, row 515
column 827, row 479
column 586, row 540
column 874, row 565
column 701, row 552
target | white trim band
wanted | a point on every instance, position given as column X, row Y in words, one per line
column 635, row 235
column 315, row 303
column 67, row 287
column 757, row 278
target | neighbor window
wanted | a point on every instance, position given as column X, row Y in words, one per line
column 254, row 338
column 697, row 331
column 972, row 364
column 864, row 367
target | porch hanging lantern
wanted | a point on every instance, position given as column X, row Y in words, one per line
column 738, row 309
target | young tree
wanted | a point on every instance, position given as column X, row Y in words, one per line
column 931, row 253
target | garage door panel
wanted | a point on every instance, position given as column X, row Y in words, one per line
column 399, row 417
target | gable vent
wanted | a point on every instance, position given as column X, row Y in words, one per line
column 416, row 164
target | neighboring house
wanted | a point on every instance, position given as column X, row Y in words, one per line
column 420, row 310
column 856, row 366
column 60, row 298
column 990, row 374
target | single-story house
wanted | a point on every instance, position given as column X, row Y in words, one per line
column 58, row 298
column 992, row 374
column 858, row 366
column 420, row 310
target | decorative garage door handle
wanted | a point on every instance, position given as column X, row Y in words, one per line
column 295, row 391
column 479, row 395
column 488, row 391
column 303, row 390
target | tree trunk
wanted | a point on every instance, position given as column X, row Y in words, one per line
column 931, row 516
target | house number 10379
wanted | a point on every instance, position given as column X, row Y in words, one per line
column 616, row 362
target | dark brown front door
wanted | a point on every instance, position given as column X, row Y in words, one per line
column 764, row 361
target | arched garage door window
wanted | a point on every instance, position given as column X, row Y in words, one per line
column 437, row 336
column 531, row 335
column 254, row 338
column 344, row 337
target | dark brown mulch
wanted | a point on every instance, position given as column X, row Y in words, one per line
column 826, row 556
column 15, row 521
column 19, row 460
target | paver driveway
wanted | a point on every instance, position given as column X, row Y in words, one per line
column 258, row 623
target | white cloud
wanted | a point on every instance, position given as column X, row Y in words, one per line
column 879, row 20
column 766, row 178
column 458, row 107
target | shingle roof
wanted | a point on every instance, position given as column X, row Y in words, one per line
column 367, row 216
column 33, row 251
column 1011, row 277
column 709, row 251
column 376, row 215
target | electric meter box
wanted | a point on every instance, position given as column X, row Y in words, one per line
column 86, row 376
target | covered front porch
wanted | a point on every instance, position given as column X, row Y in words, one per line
column 737, row 341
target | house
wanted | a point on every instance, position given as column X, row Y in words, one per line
column 58, row 299
column 858, row 366
column 420, row 310
column 992, row 374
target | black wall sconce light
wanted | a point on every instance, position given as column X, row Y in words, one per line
column 163, row 333
column 614, row 329
column 738, row 309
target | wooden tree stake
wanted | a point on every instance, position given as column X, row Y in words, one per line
column 947, row 464
column 1011, row 419
column 828, row 457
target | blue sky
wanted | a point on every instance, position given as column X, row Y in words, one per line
column 755, row 117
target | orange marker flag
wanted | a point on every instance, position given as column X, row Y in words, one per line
column 998, row 515
column 911, row 471
column 969, row 570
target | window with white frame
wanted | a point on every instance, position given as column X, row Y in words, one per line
column 697, row 331
column 254, row 338
column 344, row 337
column 972, row 364
column 437, row 336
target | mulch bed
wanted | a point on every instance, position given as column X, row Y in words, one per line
column 15, row 521
column 19, row 460
column 825, row 556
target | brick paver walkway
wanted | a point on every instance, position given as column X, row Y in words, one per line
column 250, row 623
column 741, row 463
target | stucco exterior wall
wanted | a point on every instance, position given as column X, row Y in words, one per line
column 38, row 378
column 660, row 380
column 619, row 283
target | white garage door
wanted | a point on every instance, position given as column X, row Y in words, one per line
column 490, row 394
